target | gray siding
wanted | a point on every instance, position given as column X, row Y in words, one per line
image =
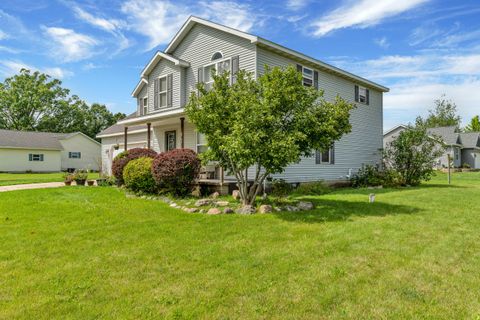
column 391, row 136
column 202, row 42
column 359, row 147
column 142, row 94
column 163, row 68
column 471, row 157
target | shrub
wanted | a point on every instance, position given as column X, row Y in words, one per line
column 175, row 170
column 281, row 188
column 137, row 175
column 122, row 159
column 466, row 166
column 314, row 188
column 371, row 176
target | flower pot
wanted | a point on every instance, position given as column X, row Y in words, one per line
column 80, row 182
column 68, row 183
column 90, row 182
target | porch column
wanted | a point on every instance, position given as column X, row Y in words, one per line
column 222, row 178
column 182, row 130
column 149, row 125
column 125, row 138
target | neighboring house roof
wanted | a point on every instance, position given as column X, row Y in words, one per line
column 192, row 21
column 448, row 134
column 470, row 140
column 400, row 126
column 34, row 140
column 118, row 129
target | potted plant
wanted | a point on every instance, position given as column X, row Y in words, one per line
column 81, row 176
column 67, row 178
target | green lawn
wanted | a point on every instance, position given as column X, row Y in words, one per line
column 7, row 179
column 85, row 253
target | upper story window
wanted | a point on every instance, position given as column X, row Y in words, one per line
column 163, row 92
column 35, row 157
column 217, row 55
column 75, row 155
column 218, row 67
column 309, row 76
column 145, row 105
column 362, row 95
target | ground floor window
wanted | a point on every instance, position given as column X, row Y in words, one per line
column 75, row 155
column 324, row 156
column 35, row 157
column 170, row 140
column 201, row 143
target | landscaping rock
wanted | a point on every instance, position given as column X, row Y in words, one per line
column 291, row 208
column 191, row 210
column 248, row 209
column 305, row 205
column 202, row 211
column 202, row 202
column 214, row 211
column 215, row 195
column 173, row 205
column 236, row 194
column 277, row 209
column 228, row 210
column 265, row 208
column 222, row 203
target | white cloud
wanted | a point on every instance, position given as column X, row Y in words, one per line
column 361, row 14
column 159, row 21
column 296, row 4
column 10, row 68
column 382, row 42
column 69, row 45
column 3, row 35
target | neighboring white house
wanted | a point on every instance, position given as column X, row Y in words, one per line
column 200, row 46
column 463, row 148
column 22, row 151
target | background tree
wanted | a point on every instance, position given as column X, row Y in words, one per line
column 264, row 124
column 35, row 102
column 413, row 154
column 474, row 125
column 443, row 115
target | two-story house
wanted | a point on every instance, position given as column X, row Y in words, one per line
column 168, row 79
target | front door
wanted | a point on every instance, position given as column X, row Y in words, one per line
column 170, row 140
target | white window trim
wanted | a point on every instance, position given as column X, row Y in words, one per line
column 70, row 154
column 198, row 144
column 309, row 77
column 144, row 106
column 162, row 92
column 330, row 150
column 216, row 62
column 360, row 96
column 39, row 157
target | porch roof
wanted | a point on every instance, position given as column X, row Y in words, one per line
column 151, row 117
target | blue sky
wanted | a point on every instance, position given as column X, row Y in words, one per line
column 421, row 49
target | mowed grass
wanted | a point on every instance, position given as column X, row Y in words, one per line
column 85, row 253
column 7, row 179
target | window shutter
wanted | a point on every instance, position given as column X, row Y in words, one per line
column 315, row 79
column 30, row 157
column 200, row 74
column 235, row 68
column 299, row 68
column 368, row 96
column 332, row 154
column 156, row 85
column 169, row 90
column 318, row 154
column 356, row 93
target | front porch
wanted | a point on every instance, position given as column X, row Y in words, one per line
column 167, row 132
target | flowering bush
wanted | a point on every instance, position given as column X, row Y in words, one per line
column 175, row 170
column 125, row 157
column 137, row 175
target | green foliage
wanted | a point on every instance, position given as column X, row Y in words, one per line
column 466, row 166
column 80, row 174
column 372, row 176
column 314, row 188
column 474, row 125
column 266, row 124
column 412, row 155
column 443, row 115
column 123, row 158
column 281, row 188
column 137, row 175
column 35, row 102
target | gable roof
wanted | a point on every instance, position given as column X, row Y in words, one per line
column 34, row 140
column 400, row 126
column 159, row 56
column 470, row 139
column 192, row 21
column 118, row 129
column 448, row 134
column 139, row 87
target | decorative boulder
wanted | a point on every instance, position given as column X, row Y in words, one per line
column 291, row 208
column 248, row 209
column 215, row 195
column 305, row 205
column 214, row 211
column 222, row 203
column 228, row 210
column 236, row 194
column 265, row 208
column 202, row 202
column 191, row 210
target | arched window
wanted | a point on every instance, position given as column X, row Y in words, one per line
column 217, row 55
